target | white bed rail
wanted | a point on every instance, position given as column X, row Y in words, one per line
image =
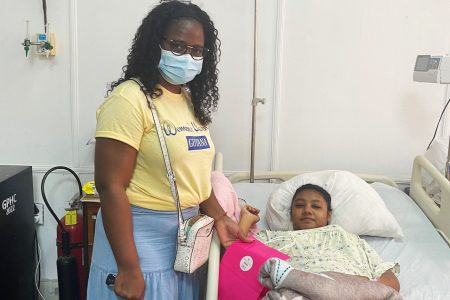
column 212, row 286
column 439, row 216
column 283, row 176
column 218, row 162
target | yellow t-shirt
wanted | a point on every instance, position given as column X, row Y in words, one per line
column 126, row 117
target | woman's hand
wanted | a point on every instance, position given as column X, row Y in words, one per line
column 228, row 231
column 130, row 285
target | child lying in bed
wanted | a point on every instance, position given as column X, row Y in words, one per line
column 316, row 247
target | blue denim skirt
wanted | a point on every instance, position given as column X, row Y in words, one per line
column 155, row 236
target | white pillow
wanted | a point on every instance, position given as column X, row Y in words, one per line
column 356, row 206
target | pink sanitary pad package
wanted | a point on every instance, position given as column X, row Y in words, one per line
column 239, row 269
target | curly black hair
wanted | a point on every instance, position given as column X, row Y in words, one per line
column 145, row 53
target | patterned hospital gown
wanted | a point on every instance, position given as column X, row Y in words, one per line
column 328, row 248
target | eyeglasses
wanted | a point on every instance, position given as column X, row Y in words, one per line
column 179, row 48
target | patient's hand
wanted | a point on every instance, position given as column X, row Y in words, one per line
column 249, row 217
column 248, row 211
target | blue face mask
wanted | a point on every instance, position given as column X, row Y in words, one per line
column 178, row 69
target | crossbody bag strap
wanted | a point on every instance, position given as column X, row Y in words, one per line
column 165, row 153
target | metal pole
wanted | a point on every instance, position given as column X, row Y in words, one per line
column 255, row 100
column 252, row 158
column 252, row 154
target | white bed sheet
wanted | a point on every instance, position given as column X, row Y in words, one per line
column 423, row 255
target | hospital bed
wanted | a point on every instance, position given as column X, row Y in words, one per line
column 423, row 253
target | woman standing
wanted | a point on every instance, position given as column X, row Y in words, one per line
column 174, row 54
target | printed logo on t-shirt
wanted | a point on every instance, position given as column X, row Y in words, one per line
column 170, row 129
column 197, row 142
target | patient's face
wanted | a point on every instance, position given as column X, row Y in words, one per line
column 309, row 210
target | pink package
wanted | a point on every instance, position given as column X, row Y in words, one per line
column 239, row 269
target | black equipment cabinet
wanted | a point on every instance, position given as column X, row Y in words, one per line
column 17, row 230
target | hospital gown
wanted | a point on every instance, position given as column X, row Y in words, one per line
column 328, row 248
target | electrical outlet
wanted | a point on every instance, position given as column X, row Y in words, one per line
column 39, row 216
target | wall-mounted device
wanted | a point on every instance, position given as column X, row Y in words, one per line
column 45, row 42
column 434, row 69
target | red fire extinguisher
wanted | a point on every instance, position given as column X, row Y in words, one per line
column 73, row 224
column 69, row 240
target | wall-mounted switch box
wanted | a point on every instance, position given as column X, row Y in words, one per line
column 45, row 39
column 41, row 38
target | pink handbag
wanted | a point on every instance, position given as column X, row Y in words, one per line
column 239, row 270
